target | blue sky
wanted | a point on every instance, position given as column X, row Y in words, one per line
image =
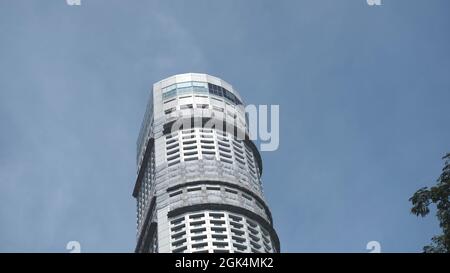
column 363, row 94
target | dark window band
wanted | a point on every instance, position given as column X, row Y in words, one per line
column 148, row 230
column 148, row 152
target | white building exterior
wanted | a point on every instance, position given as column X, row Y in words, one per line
column 198, row 187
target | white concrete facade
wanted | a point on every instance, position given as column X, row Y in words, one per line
column 199, row 186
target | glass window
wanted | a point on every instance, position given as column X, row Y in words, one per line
column 168, row 111
column 168, row 88
column 186, row 106
column 203, row 106
column 215, row 89
column 185, row 90
column 222, row 92
column 170, row 94
column 200, row 90
column 228, row 95
column 200, row 84
column 184, row 84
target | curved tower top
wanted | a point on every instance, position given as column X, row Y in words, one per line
column 198, row 186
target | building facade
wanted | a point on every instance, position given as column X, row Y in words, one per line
column 198, row 186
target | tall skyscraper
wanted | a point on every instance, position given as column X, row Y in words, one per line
column 198, row 186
